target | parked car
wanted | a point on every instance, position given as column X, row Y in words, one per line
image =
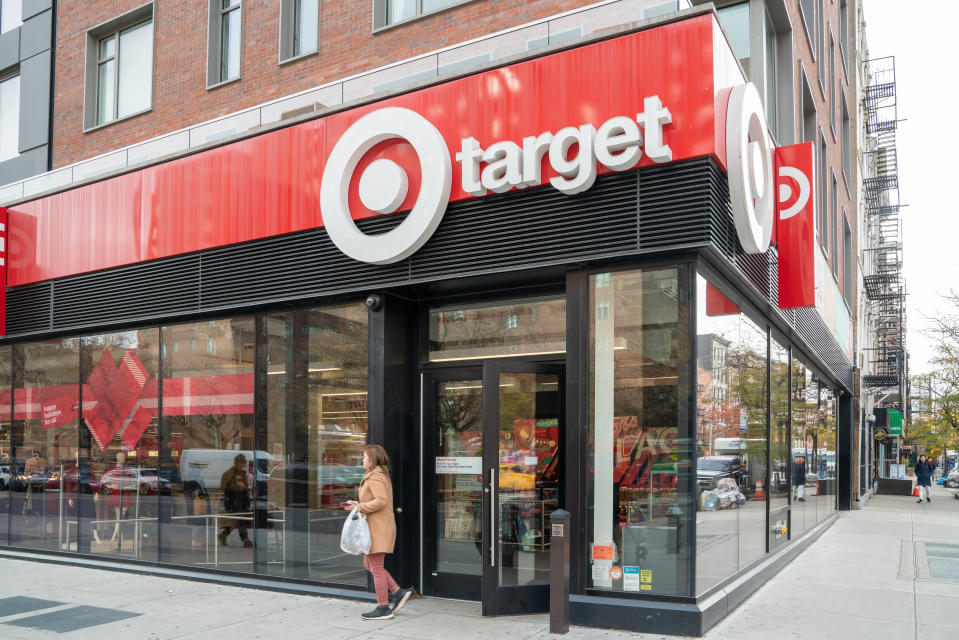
column 74, row 481
column 36, row 480
column 146, row 481
column 4, row 477
column 711, row 469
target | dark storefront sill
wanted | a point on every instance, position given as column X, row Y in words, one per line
column 894, row 487
column 687, row 619
column 275, row 583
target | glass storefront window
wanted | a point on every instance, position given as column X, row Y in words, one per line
column 639, row 451
column 6, row 458
column 731, row 437
column 44, row 446
column 813, row 448
column 316, row 429
column 207, row 407
column 117, row 478
column 781, row 469
column 498, row 330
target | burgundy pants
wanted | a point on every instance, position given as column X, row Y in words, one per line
column 383, row 582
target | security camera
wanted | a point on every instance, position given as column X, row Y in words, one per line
column 374, row 302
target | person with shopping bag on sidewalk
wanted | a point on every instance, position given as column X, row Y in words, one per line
column 924, row 469
column 376, row 503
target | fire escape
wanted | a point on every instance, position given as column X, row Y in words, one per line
column 882, row 265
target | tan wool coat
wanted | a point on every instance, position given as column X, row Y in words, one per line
column 376, row 501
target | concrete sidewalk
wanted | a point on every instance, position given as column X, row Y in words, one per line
column 890, row 570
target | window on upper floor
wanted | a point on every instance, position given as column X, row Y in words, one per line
column 824, row 230
column 849, row 264
column 299, row 28
column 844, row 32
column 768, row 63
column 832, row 93
column 11, row 14
column 846, row 141
column 735, row 22
column 9, row 117
column 387, row 12
column 820, row 42
column 834, row 226
column 224, row 41
column 119, row 68
column 808, row 9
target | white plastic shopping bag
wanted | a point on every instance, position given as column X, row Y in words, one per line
column 356, row 533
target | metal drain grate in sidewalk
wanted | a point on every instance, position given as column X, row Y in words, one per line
column 59, row 617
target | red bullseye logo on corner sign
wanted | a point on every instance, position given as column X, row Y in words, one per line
column 383, row 185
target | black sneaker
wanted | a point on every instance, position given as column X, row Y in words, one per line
column 919, row 500
column 379, row 613
column 398, row 599
column 928, row 499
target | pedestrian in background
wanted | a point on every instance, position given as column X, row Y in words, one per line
column 799, row 478
column 376, row 501
column 924, row 469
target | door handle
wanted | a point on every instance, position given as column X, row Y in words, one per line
column 492, row 517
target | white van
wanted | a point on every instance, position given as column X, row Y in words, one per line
column 207, row 466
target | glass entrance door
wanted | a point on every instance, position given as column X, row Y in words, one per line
column 492, row 477
column 453, row 474
column 522, row 427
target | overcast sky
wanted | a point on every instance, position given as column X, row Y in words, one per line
column 922, row 37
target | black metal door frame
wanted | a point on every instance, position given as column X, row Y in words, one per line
column 435, row 583
column 499, row 600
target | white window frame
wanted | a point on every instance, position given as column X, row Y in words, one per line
column 4, row 24
column 288, row 23
column 7, row 77
column 114, row 27
column 381, row 13
column 214, row 47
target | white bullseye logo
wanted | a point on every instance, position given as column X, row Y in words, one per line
column 786, row 192
column 750, row 164
column 383, row 185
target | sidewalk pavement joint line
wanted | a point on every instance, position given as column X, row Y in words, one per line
column 17, row 616
column 915, row 580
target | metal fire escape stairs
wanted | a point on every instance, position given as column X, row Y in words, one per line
column 882, row 268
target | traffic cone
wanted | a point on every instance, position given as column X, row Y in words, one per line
column 759, row 495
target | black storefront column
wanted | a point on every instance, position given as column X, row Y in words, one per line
column 393, row 385
column 845, row 450
column 575, row 438
column 297, row 436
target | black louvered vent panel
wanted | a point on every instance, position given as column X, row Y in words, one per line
column 756, row 270
column 28, row 308
column 773, row 258
column 722, row 228
column 297, row 265
column 811, row 327
column 148, row 290
column 675, row 204
column 534, row 227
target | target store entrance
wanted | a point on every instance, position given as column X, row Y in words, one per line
column 493, row 404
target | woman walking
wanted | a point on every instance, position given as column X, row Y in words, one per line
column 924, row 469
column 376, row 501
